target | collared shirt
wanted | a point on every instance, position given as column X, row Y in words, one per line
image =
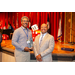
column 43, row 36
column 19, row 39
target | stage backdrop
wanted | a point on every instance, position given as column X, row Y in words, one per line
column 14, row 18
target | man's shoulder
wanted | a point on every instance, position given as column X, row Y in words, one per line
column 38, row 36
column 49, row 35
column 29, row 31
column 18, row 29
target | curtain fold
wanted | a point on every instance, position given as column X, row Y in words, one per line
column 55, row 25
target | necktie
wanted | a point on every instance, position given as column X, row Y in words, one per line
column 41, row 39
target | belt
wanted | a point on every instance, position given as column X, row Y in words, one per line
column 27, row 51
column 24, row 51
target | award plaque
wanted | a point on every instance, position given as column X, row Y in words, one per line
column 30, row 44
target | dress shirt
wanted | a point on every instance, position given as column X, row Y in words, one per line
column 43, row 36
column 19, row 39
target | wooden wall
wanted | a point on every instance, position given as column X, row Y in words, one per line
column 73, row 26
column 68, row 27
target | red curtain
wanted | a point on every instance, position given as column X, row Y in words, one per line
column 35, row 18
column 6, row 17
column 55, row 25
column 38, row 18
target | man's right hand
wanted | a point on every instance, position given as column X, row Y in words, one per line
column 26, row 49
column 39, row 58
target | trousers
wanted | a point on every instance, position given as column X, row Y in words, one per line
column 21, row 56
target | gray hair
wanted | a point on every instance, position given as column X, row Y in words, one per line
column 24, row 17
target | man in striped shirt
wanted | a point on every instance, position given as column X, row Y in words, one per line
column 22, row 40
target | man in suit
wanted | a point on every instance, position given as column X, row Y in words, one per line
column 44, row 45
column 22, row 40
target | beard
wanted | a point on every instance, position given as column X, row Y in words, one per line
column 25, row 25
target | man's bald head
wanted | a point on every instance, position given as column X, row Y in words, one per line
column 44, row 28
column 44, row 24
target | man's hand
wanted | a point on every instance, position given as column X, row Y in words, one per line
column 26, row 49
column 39, row 58
column 31, row 49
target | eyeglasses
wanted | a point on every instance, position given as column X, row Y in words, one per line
column 24, row 20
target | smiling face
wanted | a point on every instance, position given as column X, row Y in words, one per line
column 44, row 28
column 24, row 22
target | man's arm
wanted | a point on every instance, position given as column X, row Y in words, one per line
column 34, row 47
column 15, row 39
column 50, row 49
column 38, row 56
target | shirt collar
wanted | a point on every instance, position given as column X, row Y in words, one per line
column 24, row 28
column 44, row 33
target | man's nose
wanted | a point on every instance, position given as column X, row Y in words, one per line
column 25, row 22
